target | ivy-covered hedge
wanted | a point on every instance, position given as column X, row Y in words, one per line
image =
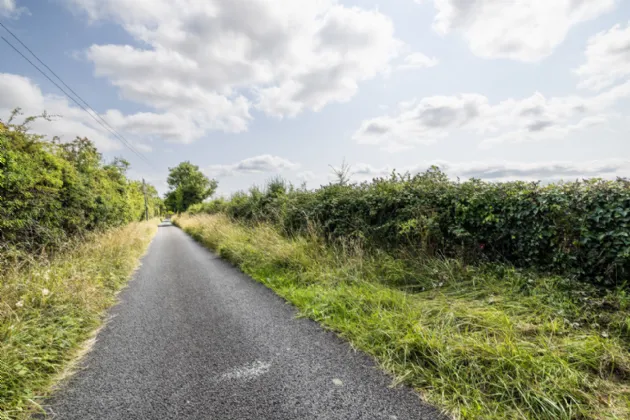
column 50, row 191
column 579, row 229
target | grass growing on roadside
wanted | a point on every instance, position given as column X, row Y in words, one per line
column 485, row 342
column 49, row 307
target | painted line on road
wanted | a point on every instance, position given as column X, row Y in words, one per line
column 247, row 372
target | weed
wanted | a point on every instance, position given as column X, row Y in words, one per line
column 486, row 341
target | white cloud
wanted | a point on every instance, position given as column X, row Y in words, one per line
column 538, row 118
column 174, row 127
column 519, row 30
column 68, row 123
column 9, row 9
column 607, row 59
column 418, row 60
column 422, row 122
column 542, row 170
column 256, row 164
column 503, row 171
column 211, row 61
column 365, row 172
column 535, row 118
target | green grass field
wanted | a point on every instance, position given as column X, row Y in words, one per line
column 483, row 341
column 49, row 307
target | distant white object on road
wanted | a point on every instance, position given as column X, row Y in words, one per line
column 247, row 372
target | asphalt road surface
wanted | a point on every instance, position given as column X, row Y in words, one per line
column 193, row 338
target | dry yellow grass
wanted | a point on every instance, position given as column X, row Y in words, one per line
column 49, row 307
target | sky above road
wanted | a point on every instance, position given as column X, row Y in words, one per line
column 250, row 89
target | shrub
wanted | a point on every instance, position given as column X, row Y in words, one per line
column 51, row 191
column 580, row 229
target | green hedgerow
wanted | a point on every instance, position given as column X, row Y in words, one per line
column 579, row 229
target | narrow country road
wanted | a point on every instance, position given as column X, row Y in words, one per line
column 193, row 338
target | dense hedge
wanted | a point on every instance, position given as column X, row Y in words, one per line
column 580, row 228
column 50, row 191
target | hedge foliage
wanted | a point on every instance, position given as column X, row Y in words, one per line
column 51, row 191
column 579, row 229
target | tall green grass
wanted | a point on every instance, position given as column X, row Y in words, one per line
column 482, row 342
column 50, row 306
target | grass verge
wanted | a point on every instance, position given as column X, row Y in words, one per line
column 485, row 342
column 50, row 306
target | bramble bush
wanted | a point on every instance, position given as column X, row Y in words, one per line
column 579, row 229
column 52, row 191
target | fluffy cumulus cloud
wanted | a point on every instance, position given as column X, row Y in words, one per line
column 67, row 121
column 519, row 30
column 545, row 171
column 9, row 9
column 253, row 165
column 211, row 62
column 535, row 118
column 607, row 59
column 172, row 126
column 422, row 122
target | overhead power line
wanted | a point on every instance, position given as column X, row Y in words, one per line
column 83, row 105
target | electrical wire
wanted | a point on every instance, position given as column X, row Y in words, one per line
column 84, row 105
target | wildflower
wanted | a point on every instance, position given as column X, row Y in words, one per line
column 19, row 304
column 482, row 246
column 45, row 292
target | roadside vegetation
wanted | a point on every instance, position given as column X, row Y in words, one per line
column 50, row 306
column 51, row 192
column 493, row 300
column 66, row 247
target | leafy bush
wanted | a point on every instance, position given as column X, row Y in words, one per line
column 209, row 207
column 581, row 228
column 50, row 191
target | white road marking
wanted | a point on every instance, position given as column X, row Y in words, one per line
column 247, row 372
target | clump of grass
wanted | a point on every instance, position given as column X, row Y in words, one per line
column 485, row 342
column 49, row 306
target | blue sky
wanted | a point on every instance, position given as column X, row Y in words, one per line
column 248, row 89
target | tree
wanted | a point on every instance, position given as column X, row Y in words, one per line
column 342, row 173
column 188, row 186
column 53, row 190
